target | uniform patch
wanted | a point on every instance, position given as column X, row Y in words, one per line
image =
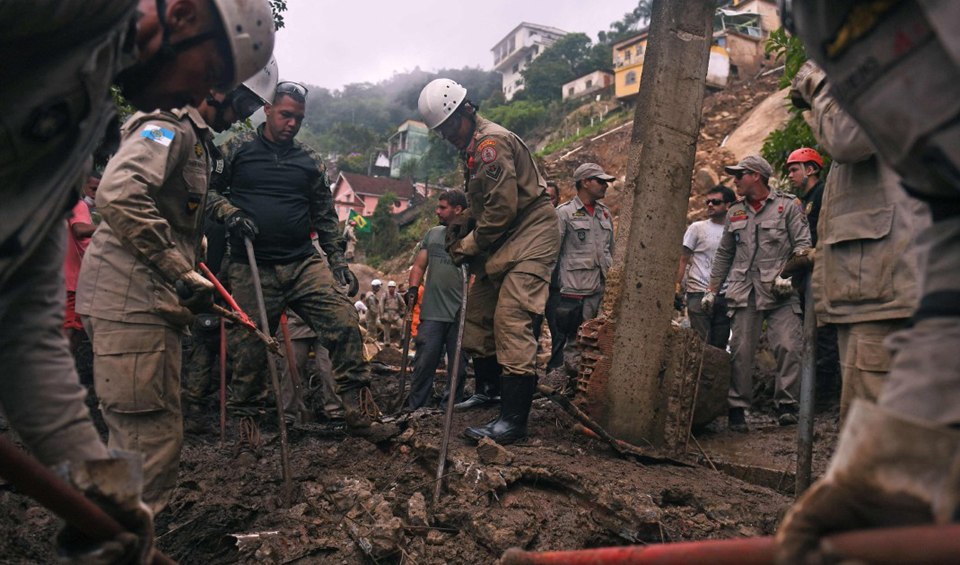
column 809, row 207
column 218, row 166
column 800, row 206
column 156, row 133
column 198, row 149
column 486, row 143
column 494, row 172
column 738, row 218
column 192, row 204
column 581, row 235
column 488, row 154
column 579, row 214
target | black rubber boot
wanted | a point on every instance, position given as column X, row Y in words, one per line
column 487, row 393
column 514, row 411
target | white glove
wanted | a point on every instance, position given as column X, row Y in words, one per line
column 782, row 288
column 707, row 302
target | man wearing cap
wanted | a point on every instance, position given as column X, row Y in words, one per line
column 586, row 253
column 371, row 319
column 350, row 237
column 763, row 230
column 392, row 311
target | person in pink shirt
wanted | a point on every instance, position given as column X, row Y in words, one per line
column 80, row 228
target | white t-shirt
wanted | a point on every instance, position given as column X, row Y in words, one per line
column 361, row 307
column 702, row 238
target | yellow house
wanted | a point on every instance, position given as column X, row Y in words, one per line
column 628, row 56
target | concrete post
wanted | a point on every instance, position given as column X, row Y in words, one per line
column 634, row 401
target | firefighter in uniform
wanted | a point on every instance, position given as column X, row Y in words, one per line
column 392, row 310
column 510, row 239
column 763, row 231
column 895, row 67
column 371, row 319
column 586, row 253
column 60, row 61
column 350, row 238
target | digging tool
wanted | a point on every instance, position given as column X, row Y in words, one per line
column 223, row 380
column 39, row 483
column 808, row 392
column 454, row 383
column 272, row 365
column 303, row 413
column 405, row 348
column 914, row 544
column 621, row 447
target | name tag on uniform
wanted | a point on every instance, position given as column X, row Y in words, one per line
column 156, row 133
column 738, row 218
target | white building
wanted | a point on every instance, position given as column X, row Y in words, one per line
column 587, row 84
column 515, row 52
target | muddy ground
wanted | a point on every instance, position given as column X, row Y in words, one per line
column 369, row 500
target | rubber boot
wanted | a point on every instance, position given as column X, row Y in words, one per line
column 514, row 411
column 487, row 372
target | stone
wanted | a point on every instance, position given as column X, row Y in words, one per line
column 705, row 179
column 434, row 537
column 492, row 453
column 417, row 511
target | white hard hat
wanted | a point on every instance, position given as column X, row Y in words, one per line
column 439, row 99
column 376, row 282
column 264, row 83
column 391, row 283
column 248, row 25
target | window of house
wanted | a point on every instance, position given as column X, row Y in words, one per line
column 529, row 57
column 536, row 49
column 512, row 44
column 631, row 78
column 589, row 83
column 570, row 91
column 626, row 55
column 639, row 50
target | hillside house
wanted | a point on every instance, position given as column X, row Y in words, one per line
column 359, row 193
column 741, row 28
column 409, row 144
column 587, row 84
column 518, row 49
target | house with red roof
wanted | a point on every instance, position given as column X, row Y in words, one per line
column 360, row 193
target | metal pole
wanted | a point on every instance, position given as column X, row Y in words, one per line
column 223, row 380
column 454, row 383
column 272, row 366
column 808, row 371
column 405, row 349
column 304, row 414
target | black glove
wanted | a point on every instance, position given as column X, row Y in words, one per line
column 346, row 278
column 242, row 225
column 411, row 296
column 195, row 292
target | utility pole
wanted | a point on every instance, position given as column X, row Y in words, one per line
column 633, row 401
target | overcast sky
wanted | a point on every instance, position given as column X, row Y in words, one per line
column 330, row 44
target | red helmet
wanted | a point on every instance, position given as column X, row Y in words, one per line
column 805, row 155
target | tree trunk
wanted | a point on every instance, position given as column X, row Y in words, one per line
column 633, row 403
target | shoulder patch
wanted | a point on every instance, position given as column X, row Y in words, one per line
column 486, row 143
column 488, row 154
column 156, row 133
column 494, row 172
column 198, row 149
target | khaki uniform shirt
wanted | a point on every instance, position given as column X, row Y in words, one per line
column 755, row 246
column 351, row 238
column 59, row 60
column 586, row 247
column 152, row 201
column 515, row 224
column 391, row 307
column 373, row 305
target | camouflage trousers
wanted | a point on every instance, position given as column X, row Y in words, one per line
column 201, row 369
column 307, row 287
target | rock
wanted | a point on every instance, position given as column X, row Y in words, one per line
column 406, row 435
column 492, row 453
column 434, row 537
column 705, row 179
column 417, row 511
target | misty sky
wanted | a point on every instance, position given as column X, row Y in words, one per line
column 330, row 44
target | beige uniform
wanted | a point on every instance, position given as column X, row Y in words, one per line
column 586, row 252
column 392, row 311
column 372, row 318
column 350, row 236
column 866, row 275
column 753, row 249
column 514, row 245
column 151, row 198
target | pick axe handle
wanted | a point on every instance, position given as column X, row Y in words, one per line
column 405, row 349
column 454, row 383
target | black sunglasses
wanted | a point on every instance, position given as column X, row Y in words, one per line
column 739, row 174
column 294, row 89
column 714, row 201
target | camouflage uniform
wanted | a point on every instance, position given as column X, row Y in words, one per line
column 305, row 285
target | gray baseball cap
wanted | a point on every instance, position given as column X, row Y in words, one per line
column 754, row 163
column 590, row 171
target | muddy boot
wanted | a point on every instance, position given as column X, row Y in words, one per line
column 787, row 414
column 736, row 420
column 249, row 441
column 514, row 411
column 487, row 372
column 353, row 414
column 192, row 418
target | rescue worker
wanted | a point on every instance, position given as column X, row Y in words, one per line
column 372, row 317
column 279, row 194
column 763, row 230
column 700, row 243
column 440, row 305
column 306, row 345
column 392, row 311
column 60, row 61
column 510, row 240
column 897, row 76
column 586, row 254
column 350, row 237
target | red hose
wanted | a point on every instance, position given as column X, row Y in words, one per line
column 930, row 544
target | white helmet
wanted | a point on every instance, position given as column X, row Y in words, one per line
column 391, row 284
column 376, row 282
column 264, row 83
column 248, row 25
column 440, row 98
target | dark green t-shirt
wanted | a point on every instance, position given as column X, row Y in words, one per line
column 444, row 285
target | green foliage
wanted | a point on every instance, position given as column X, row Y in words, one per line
column 520, row 117
column 353, row 163
column 624, row 28
column 278, row 7
column 796, row 133
column 613, row 118
column 569, row 57
column 383, row 241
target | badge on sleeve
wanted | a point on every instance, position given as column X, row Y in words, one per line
column 494, row 172
column 218, row 167
column 488, row 154
column 156, row 133
column 198, row 149
column 809, row 207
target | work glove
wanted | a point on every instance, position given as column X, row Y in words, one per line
column 458, row 229
column 806, row 84
column 242, row 225
column 458, row 254
column 411, row 295
column 114, row 485
column 781, row 288
column 195, row 292
column 887, row 471
column 801, row 262
column 345, row 277
column 708, row 301
column 678, row 299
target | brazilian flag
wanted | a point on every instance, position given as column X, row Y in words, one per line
column 363, row 225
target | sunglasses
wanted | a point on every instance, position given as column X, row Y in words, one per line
column 292, row 88
column 714, row 201
column 740, row 174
